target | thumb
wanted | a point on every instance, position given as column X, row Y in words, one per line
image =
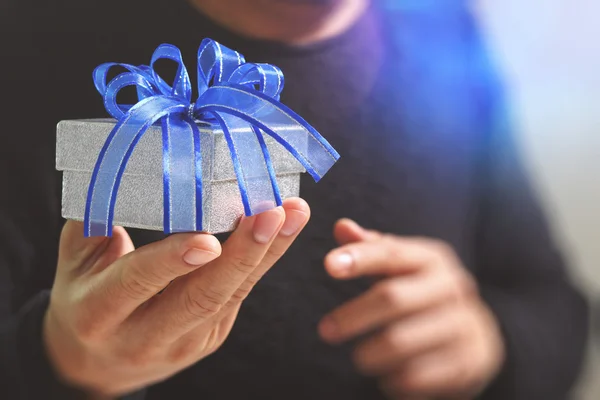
column 135, row 278
column 347, row 231
column 78, row 254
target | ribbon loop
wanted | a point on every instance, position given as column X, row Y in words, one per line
column 123, row 80
column 135, row 76
column 182, row 86
column 216, row 63
column 242, row 98
column 265, row 78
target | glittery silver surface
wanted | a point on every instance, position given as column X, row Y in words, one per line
column 79, row 142
column 140, row 197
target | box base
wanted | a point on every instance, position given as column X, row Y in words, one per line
column 140, row 200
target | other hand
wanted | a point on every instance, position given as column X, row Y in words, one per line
column 428, row 333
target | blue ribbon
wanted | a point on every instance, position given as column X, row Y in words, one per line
column 242, row 98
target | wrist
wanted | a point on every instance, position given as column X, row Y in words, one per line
column 41, row 379
column 63, row 358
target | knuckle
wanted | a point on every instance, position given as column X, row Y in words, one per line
column 391, row 248
column 153, row 276
column 275, row 253
column 242, row 265
column 138, row 358
column 465, row 284
column 183, row 353
column 390, row 294
column 242, row 293
column 166, row 272
column 201, row 303
column 395, row 339
column 440, row 250
column 252, row 280
column 137, row 286
column 460, row 284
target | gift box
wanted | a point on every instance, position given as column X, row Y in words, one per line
column 139, row 201
column 171, row 163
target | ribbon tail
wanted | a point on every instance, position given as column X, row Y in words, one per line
column 251, row 163
column 182, row 175
column 275, row 119
column 113, row 158
column 166, row 152
column 269, row 165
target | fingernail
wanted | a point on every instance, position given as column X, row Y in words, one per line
column 266, row 225
column 197, row 257
column 294, row 219
column 328, row 329
column 342, row 263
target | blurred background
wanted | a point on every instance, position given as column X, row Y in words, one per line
column 549, row 54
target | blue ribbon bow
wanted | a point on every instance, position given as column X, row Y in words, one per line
column 242, row 98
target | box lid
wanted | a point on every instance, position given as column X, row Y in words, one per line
column 79, row 142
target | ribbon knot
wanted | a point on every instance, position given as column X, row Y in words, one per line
column 191, row 111
column 242, row 99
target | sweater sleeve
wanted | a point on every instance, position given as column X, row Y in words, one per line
column 25, row 371
column 30, row 221
column 523, row 276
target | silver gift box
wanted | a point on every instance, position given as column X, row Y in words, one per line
column 140, row 197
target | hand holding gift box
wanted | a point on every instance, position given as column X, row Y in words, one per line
column 215, row 162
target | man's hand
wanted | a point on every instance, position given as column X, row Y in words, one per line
column 109, row 331
column 430, row 334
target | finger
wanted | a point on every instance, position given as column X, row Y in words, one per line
column 77, row 254
column 347, row 231
column 388, row 301
column 133, row 279
column 297, row 215
column 201, row 295
column 407, row 339
column 443, row 373
column 73, row 244
column 387, row 256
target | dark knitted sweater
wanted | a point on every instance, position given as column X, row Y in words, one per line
column 410, row 101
